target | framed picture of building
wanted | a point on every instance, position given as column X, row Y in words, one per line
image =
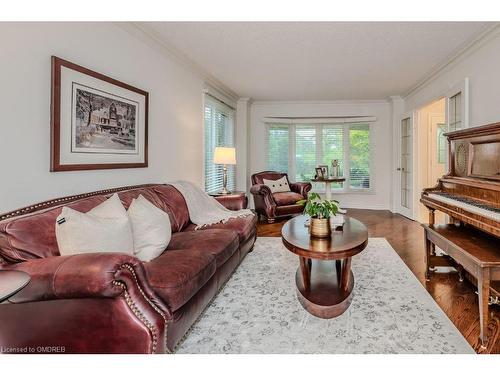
column 97, row 122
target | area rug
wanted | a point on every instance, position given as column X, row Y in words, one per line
column 258, row 312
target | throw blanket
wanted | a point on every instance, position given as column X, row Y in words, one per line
column 203, row 209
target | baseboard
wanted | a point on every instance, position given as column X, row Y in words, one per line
column 367, row 206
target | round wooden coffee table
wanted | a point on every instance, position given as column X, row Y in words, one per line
column 12, row 282
column 324, row 278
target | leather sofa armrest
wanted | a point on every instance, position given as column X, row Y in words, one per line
column 96, row 275
column 302, row 188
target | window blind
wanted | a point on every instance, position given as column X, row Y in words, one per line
column 359, row 156
column 298, row 148
column 219, row 132
column 305, row 152
column 333, row 148
column 278, row 140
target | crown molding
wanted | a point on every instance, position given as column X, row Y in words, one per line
column 320, row 102
column 157, row 42
column 457, row 56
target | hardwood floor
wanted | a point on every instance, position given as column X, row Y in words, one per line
column 457, row 299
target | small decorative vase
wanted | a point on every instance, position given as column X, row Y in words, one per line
column 320, row 228
column 335, row 168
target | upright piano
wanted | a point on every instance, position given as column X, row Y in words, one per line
column 470, row 194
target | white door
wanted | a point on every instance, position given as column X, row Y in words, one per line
column 404, row 169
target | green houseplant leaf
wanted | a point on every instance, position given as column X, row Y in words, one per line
column 317, row 208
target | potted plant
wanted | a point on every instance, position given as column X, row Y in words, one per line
column 320, row 212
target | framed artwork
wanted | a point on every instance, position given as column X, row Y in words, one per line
column 319, row 173
column 97, row 122
column 324, row 170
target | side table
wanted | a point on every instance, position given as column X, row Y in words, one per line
column 235, row 200
column 328, row 184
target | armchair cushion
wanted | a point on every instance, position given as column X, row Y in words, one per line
column 277, row 186
column 287, row 198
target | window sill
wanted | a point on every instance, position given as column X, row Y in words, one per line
column 343, row 192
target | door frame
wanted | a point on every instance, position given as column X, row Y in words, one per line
column 405, row 211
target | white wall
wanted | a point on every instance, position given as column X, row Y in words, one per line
column 382, row 141
column 175, row 108
column 481, row 65
column 241, row 144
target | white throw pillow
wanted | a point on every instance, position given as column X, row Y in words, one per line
column 150, row 227
column 105, row 228
column 277, row 186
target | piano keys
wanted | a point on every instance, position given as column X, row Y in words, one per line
column 467, row 204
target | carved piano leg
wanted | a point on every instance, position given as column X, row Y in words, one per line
column 431, row 217
column 427, row 256
column 483, row 287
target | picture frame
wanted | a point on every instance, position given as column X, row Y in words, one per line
column 97, row 122
column 324, row 170
column 319, row 173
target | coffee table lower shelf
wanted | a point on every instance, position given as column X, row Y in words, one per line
column 324, row 287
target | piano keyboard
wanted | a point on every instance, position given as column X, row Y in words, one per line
column 468, row 205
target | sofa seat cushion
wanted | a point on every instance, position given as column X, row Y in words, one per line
column 220, row 243
column 177, row 275
column 288, row 198
column 244, row 226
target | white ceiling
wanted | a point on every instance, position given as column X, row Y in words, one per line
column 317, row 60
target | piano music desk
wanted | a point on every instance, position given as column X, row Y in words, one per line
column 474, row 251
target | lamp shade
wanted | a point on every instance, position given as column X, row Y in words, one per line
column 225, row 155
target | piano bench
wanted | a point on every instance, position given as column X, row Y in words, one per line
column 472, row 250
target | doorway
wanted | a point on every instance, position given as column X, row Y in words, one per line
column 432, row 161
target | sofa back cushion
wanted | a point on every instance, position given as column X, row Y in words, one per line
column 33, row 235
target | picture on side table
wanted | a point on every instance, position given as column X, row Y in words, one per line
column 324, row 170
column 97, row 122
column 319, row 173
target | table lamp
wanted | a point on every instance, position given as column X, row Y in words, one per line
column 225, row 156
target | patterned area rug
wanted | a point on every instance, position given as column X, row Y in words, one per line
column 258, row 312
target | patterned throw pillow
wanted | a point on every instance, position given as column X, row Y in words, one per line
column 278, row 186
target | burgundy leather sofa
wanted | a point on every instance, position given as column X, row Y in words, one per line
column 277, row 204
column 112, row 302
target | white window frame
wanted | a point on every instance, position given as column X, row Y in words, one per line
column 346, row 188
column 223, row 107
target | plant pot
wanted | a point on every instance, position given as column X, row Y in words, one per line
column 320, row 228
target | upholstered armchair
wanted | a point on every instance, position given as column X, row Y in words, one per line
column 273, row 205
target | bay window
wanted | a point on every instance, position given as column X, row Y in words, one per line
column 298, row 148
